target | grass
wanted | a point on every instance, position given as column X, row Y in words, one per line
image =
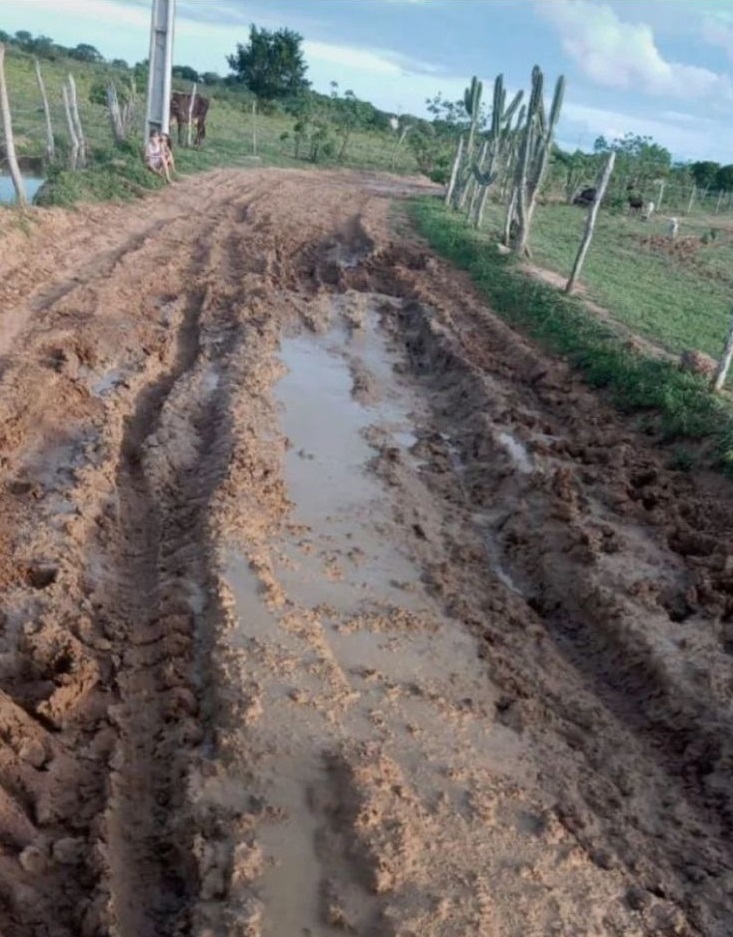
column 677, row 405
column 114, row 173
column 677, row 302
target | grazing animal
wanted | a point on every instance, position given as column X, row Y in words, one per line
column 672, row 228
column 647, row 211
column 586, row 197
column 636, row 202
column 180, row 106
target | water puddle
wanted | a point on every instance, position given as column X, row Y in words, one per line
column 7, row 190
column 353, row 648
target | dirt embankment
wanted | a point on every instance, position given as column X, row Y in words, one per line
column 329, row 605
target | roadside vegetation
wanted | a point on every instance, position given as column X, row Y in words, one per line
column 676, row 404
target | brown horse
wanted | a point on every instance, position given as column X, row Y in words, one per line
column 180, row 108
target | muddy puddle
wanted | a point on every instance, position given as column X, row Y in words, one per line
column 351, row 647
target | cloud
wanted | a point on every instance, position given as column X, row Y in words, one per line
column 717, row 32
column 624, row 55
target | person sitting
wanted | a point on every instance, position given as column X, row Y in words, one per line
column 155, row 156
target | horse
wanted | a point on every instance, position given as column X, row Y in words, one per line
column 180, row 108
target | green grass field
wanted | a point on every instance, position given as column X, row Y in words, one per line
column 228, row 141
column 677, row 405
column 677, row 300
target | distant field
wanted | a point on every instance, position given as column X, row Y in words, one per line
column 679, row 296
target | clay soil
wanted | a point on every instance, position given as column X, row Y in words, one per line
column 330, row 605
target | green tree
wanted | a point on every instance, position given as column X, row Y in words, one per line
column 349, row 114
column 639, row 160
column 211, row 78
column 185, row 73
column 724, row 178
column 704, row 173
column 85, row 53
column 119, row 63
column 271, row 64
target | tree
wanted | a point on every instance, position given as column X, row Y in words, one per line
column 85, row 53
column 271, row 64
column 724, row 178
column 350, row 114
column 639, row 160
column 704, row 172
column 120, row 63
column 185, row 73
column 210, row 78
column 23, row 37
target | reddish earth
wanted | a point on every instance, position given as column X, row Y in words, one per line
column 330, row 605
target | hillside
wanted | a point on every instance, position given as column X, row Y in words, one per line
column 115, row 173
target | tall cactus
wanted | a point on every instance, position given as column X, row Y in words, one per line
column 533, row 160
column 496, row 150
column 472, row 103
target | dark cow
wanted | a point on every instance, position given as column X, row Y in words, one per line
column 180, row 107
column 586, row 197
column 636, row 202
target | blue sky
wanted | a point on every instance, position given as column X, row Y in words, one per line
column 657, row 67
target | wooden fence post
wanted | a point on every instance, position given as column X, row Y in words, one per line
column 590, row 223
column 720, row 199
column 8, row 134
column 660, row 197
column 71, row 129
column 77, row 122
column 691, row 201
column 191, row 106
column 721, row 372
column 50, row 145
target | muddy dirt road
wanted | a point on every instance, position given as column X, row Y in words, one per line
column 329, row 606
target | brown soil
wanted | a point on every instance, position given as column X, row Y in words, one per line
column 329, row 604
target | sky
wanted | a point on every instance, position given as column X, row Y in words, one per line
column 662, row 68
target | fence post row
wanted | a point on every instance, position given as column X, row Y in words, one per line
column 77, row 122
column 191, row 106
column 8, row 134
column 601, row 186
column 50, row 145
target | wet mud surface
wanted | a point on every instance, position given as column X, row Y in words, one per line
column 329, row 605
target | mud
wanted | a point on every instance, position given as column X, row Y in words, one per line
column 329, row 604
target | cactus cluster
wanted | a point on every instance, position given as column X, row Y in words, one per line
column 465, row 152
column 517, row 151
column 532, row 160
column 497, row 150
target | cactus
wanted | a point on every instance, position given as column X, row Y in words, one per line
column 497, row 148
column 533, row 159
column 472, row 103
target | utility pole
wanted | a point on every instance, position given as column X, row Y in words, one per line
column 161, row 63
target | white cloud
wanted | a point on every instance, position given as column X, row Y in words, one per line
column 718, row 33
column 624, row 55
column 686, row 136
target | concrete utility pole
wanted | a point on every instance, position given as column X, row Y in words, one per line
column 161, row 63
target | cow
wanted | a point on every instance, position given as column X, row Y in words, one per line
column 648, row 211
column 636, row 202
column 586, row 197
column 180, row 107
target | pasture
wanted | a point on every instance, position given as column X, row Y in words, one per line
column 116, row 173
column 677, row 294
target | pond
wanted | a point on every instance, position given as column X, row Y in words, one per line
column 7, row 192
